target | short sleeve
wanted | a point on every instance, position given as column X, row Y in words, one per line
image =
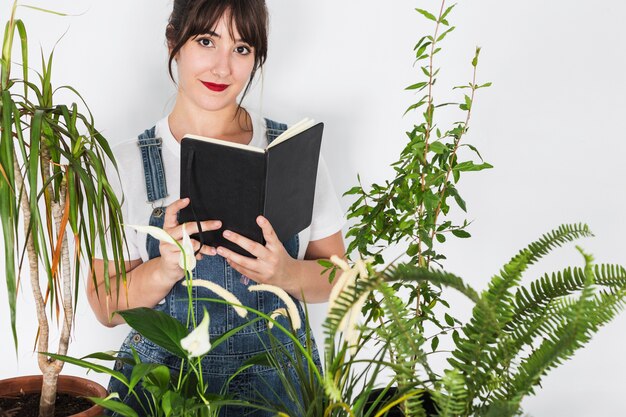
column 328, row 217
column 115, row 181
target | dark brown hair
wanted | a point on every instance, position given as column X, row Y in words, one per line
column 195, row 17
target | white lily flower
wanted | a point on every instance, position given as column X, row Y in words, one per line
column 163, row 236
column 294, row 314
column 155, row 232
column 277, row 313
column 197, row 342
column 223, row 293
column 187, row 257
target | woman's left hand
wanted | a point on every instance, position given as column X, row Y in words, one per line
column 273, row 265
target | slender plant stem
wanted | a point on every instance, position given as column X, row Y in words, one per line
column 457, row 142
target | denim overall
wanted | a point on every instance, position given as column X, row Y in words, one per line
column 222, row 361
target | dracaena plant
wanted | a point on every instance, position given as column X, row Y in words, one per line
column 53, row 181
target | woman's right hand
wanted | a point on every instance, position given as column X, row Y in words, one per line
column 170, row 253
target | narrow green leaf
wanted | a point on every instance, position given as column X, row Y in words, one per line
column 88, row 365
column 444, row 34
column 417, row 86
column 413, row 249
column 447, row 11
column 438, row 147
column 427, row 14
column 116, row 406
column 434, row 343
column 475, row 60
column 44, row 10
column 455, row 194
column 470, row 166
column 460, row 233
column 24, row 43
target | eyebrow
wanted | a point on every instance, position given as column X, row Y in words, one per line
column 217, row 35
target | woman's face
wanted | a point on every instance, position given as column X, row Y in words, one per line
column 213, row 68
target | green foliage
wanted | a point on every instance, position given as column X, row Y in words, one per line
column 170, row 394
column 516, row 334
column 53, row 182
column 408, row 208
column 52, row 178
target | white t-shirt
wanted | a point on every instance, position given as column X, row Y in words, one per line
column 327, row 218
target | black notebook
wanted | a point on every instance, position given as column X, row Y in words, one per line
column 235, row 183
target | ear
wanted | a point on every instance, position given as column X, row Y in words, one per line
column 169, row 34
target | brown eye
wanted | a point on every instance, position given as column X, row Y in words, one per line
column 205, row 42
column 243, row 50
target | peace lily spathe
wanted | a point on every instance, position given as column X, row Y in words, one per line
column 187, row 261
column 197, row 342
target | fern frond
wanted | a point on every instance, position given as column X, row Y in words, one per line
column 413, row 273
column 452, row 398
column 572, row 323
column 560, row 284
column 482, row 353
column 498, row 293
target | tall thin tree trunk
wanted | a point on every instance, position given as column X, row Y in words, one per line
column 50, row 368
column 46, row 403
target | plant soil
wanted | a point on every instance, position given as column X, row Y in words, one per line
column 27, row 405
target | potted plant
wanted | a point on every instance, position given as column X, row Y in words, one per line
column 339, row 389
column 516, row 333
column 53, row 182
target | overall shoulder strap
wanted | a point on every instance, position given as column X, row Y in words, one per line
column 152, row 158
column 274, row 129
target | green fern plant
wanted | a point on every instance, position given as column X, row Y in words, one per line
column 516, row 334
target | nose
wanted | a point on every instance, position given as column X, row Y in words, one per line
column 221, row 66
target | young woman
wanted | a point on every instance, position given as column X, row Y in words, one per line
column 217, row 46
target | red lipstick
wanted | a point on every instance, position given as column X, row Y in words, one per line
column 215, row 87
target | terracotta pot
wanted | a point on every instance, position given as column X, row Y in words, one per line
column 72, row 385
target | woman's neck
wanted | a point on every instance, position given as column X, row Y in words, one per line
column 232, row 124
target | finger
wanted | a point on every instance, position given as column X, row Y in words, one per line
column 254, row 276
column 208, row 250
column 192, row 227
column 168, row 248
column 199, row 249
column 270, row 236
column 250, row 245
column 171, row 212
column 244, row 261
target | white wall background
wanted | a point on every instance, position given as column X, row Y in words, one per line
column 552, row 125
